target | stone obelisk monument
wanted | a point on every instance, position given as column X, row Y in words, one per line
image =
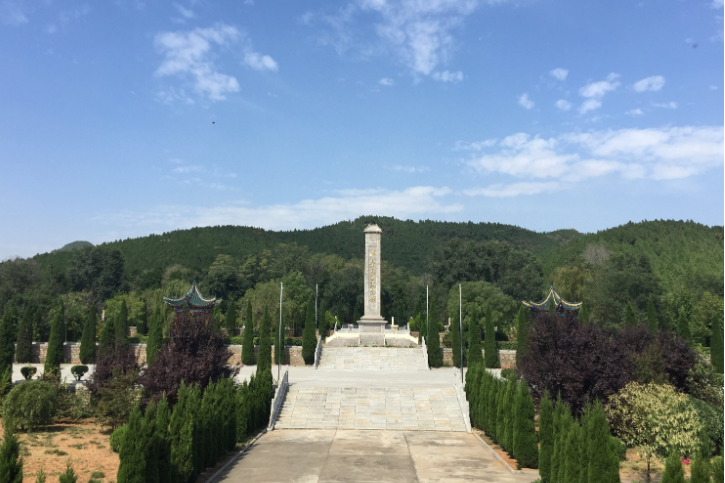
column 371, row 324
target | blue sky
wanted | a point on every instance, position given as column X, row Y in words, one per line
column 120, row 119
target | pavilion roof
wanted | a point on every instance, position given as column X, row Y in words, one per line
column 192, row 298
column 554, row 298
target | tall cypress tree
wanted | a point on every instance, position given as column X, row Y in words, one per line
column 181, row 440
column 456, row 340
column 7, row 341
column 717, row 469
column 156, row 335
column 162, row 441
column 700, row 469
column 120, row 324
column 264, row 361
column 683, row 325
column 433, row 345
column 522, row 327
column 546, row 437
column 23, row 351
column 132, row 468
column 107, row 333
column 584, row 313
column 716, row 343
column 490, row 338
column 88, row 339
column 630, row 316
column 143, row 325
column 149, row 444
column 279, row 351
column 560, row 414
column 11, row 465
column 248, row 358
column 526, row 449
column 474, row 339
column 39, row 328
column 509, row 412
column 573, row 451
column 197, row 446
column 652, row 323
column 54, row 356
column 230, row 321
column 674, row 473
column 309, row 340
column 565, row 423
column 340, row 313
column 603, row 463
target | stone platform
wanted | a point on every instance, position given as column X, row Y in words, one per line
column 372, row 359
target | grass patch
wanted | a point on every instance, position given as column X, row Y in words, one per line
column 98, row 474
column 56, row 452
column 77, row 446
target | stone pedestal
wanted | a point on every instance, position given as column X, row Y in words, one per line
column 372, row 325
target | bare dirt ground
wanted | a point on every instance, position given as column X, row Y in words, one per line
column 85, row 443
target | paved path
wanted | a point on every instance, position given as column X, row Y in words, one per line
column 372, row 359
column 415, row 408
column 330, row 456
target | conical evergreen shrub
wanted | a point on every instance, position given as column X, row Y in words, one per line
column 492, row 408
column 501, row 412
column 523, row 318
column 700, row 469
column 652, row 322
column 156, row 336
column 526, row 449
column 674, row 473
column 603, row 462
column 198, row 430
column 433, row 346
column 474, row 340
column 149, row 444
column 8, row 331
column 162, row 441
column 567, row 421
column 230, row 320
column 630, row 316
column 143, row 323
column 264, row 361
column 683, row 325
column 88, row 339
column 491, row 347
column 132, row 468
column 120, row 325
column 54, row 356
column 572, row 462
column 11, row 464
column 181, row 438
column 23, row 351
column 717, row 470
column 279, row 351
column 561, row 409
column 456, row 340
column 309, row 339
column 107, row 333
column 546, row 437
column 716, row 343
column 509, row 418
column 248, row 358
column 68, row 476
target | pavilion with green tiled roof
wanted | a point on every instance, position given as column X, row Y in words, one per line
column 193, row 299
column 552, row 299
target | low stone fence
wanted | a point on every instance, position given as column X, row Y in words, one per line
column 507, row 358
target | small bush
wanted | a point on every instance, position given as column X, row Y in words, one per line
column 31, row 404
column 28, row 372
column 619, row 448
column 78, row 372
column 98, row 474
column 506, row 373
column 117, row 438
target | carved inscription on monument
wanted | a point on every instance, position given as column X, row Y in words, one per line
column 372, row 275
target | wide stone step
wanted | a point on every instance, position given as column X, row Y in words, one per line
column 372, row 358
column 406, row 409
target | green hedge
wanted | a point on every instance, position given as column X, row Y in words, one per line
column 503, row 345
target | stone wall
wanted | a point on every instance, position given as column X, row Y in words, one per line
column 507, row 358
column 293, row 355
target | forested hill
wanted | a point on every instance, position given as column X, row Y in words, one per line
column 406, row 244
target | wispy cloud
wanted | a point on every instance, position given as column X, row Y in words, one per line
column 559, row 73
column 345, row 204
column 525, row 102
column 447, row 76
column 595, row 91
column 665, row 105
column 11, row 13
column 411, row 169
column 664, row 153
column 474, row 146
column 653, row 83
column 635, row 112
column 386, row 81
column 563, row 105
column 258, row 61
column 513, row 189
column 186, row 13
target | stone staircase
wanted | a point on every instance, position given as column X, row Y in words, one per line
column 404, row 409
column 372, row 359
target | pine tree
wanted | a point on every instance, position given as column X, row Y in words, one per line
column 522, row 327
column 7, row 341
column 264, row 361
column 456, row 340
column 197, row 439
column 309, row 341
column 120, row 325
column 248, row 358
column 630, row 316
column 501, row 411
column 700, row 469
column 181, row 440
column 674, row 473
column 279, row 350
column 716, row 343
column 546, row 437
column 683, row 326
column 156, row 335
column 11, row 465
column 509, row 417
column 54, row 356
column 143, row 326
column 573, row 461
column 39, row 333
column 132, row 468
column 107, row 335
column 40, row 476
column 559, row 419
column 162, row 441
column 206, row 416
column 584, row 313
column 603, row 463
column 149, row 445
column 565, row 423
column 433, row 343
column 88, row 339
column 474, row 340
column 652, row 323
column 491, row 348
column 526, row 449
column 340, row 313
column 23, row 351
column 230, row 321
column 68, row 476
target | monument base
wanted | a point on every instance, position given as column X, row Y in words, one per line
column 372, row 330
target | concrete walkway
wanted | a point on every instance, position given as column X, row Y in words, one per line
column 337, row 456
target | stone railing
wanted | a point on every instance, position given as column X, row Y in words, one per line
column 278, row 401
column 318, row 351
column 462, row 401
column 425, row 354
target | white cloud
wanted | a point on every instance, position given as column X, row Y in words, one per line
column 188, row 169
column 525, row 102
column 474, row 146
column 653, row 83
column 559, row 73
column 635, row 112
column 717, row 4
column 598, row 89
column 386, row 81
column 513, row 189
column 257, row 61
column 665, row 105
column 447, row 76
column 664, row 153
column 188, row 54
column 563, row 104
column 346, row 204
column 411, row 169
column 187, row 13
column 590, row 105
column 11, row 13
